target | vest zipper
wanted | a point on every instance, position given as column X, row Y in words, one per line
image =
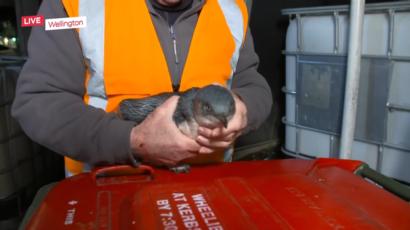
column 174, row 43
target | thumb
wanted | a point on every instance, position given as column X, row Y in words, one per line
column 170, row 105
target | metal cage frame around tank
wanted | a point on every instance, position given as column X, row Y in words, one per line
column 390, row 9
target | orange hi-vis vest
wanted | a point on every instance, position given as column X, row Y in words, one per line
column 125, row 60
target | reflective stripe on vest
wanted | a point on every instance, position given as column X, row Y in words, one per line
column 124, row 57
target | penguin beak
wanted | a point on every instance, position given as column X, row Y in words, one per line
column 224, row 121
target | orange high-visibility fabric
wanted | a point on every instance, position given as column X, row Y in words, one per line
column 134, row 63
column 72, row 166
column 71, row 7
column 211, row 50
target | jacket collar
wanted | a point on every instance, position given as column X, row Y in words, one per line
column 196, row 7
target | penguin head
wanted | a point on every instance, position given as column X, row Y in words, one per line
column 214, row 106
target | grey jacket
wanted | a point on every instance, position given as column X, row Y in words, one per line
column 49, row 100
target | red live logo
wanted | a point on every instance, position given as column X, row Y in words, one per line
column 27, row 21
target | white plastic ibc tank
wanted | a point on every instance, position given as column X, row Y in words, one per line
column 316, row 54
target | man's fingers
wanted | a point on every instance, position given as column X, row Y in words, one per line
column 172, row 100
column 217, row 133
column 205, row 132
column 169, row 104
column 189, row 144
column 213, row 144
column 206, row 150
column 231, row 137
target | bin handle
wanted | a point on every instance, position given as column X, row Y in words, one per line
column 122, row 170
column 387, row 183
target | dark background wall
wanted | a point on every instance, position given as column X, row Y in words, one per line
column 23, row 8
column 269, row 27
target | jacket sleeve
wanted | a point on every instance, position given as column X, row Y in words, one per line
column 251, row 86
column 49, row 99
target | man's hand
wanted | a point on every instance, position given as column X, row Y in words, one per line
column 216, row 139
column 158, row 141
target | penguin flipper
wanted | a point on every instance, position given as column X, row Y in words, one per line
column 138, row 109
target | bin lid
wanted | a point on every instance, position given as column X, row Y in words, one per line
column 278, row 194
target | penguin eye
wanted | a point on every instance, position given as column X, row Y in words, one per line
column 207, row 108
